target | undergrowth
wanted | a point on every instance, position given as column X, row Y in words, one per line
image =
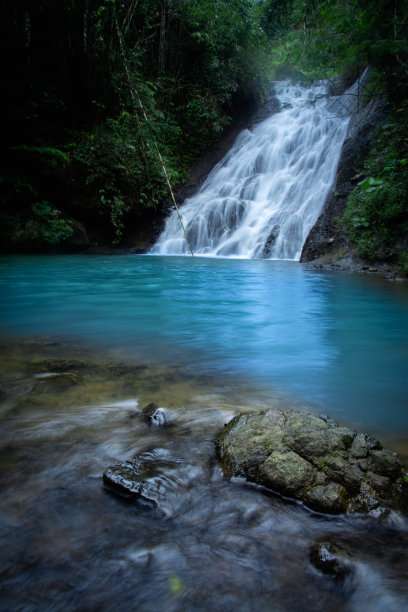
column 376, row 218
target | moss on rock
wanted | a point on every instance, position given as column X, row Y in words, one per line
column 331, row 469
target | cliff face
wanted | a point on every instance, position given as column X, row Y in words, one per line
column 326, row 236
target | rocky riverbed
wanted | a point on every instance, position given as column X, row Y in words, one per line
column 189, row 538
column 330, row 469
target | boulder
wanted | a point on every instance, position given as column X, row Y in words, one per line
column 330, row 469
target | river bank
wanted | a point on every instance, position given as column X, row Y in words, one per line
column 352, row 263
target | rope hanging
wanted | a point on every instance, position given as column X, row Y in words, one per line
column 134, row 94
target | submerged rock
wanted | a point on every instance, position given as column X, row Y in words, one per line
column 155, row 415
column 155, row 477
column 58, row 364
column 329, row 559
column 143, row 476
column 331, row 469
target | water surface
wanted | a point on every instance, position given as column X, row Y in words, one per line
column 88, row 341
column 338, row 343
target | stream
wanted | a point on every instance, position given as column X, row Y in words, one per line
column 87, row 342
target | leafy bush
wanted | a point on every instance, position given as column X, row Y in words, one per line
column 122, row 169
column 28, row 185
column 327, row 38
column 403, row 263
column 376, row 218
column 45, row 225
column 41, row 224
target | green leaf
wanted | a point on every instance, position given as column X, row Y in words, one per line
column 370, row 183
column 175, row 585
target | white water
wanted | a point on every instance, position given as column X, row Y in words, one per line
column 265, row 195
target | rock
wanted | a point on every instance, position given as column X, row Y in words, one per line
column 359, row 447
column 79, row 240
column 286, row 472
column 251, row 443
column 54, row 382
column 141, row 477
column 154, row 477
column 330, row 498
column 56, row 364
column 270, row 241
column 329, row 468
column 309, row 436
column 155, row 415
column 362, row 444
column 328, row 558
column 148, row 410
column 385, row 462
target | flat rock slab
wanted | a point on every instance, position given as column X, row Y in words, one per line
column 153, row 476
column 331, row 469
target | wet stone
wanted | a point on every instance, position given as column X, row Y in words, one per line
column 385, row 462
column 363, row 464
column 381, row 484
column 148, row 476
column 359, row 448
column 53, row 381
column 331, row 469
column 330, row 498
column 346, row 435
column 328, row 558
column 285, row 472
column 155, row 416
column 339, row 469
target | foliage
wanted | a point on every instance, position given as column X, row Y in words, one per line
column 120, row 159
column 42, row 223
column 92, row 86
column 81, row 77
column 376, row 218
column 28, row 183
column 403, row 264
column 330, row 37
column 45, row 225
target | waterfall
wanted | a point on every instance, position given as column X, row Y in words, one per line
column 264, row 196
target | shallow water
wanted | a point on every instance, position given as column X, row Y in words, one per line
column 203, row 339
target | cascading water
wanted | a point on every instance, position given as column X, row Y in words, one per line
column 265, row 195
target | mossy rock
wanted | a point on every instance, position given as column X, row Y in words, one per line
column 330, row 469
